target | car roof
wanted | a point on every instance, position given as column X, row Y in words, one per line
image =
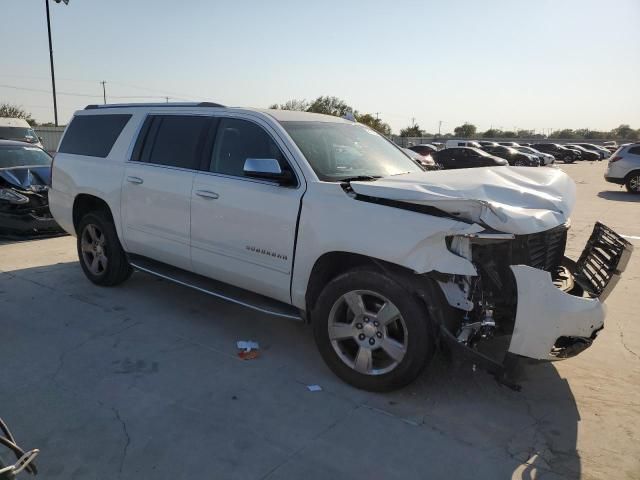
column 279, row 115
column 8, row 143
column 14, row 122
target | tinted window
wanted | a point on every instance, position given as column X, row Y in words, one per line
column 174, row 140
column 237, row 140
column 93, row 135
column 634, row 150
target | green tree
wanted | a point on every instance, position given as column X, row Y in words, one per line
column 492, row 133
column 623, row 132
column 330, row 106
column 8, row 110
column 509, row 134
column 412, row 131
column 525, row 133
column 375, row 123
column 467, row 130
column 298, row 105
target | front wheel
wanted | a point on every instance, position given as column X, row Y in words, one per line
column 371, row 331
column 519, row 163
column 101, row 256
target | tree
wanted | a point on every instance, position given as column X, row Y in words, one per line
column 622, row 131
column 8, row 110
column 492, row 133
column 298, row 105
column 467, row 130
column 509, row 134
column 330, row 106
column 525, row 133
column 412, row 131
column 374, row 122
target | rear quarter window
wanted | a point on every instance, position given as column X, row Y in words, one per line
column 634, row 150
column 93, row 135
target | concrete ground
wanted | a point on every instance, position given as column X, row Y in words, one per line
column 142, row 381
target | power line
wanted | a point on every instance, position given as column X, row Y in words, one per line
column 49, row 91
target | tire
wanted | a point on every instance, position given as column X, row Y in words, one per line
column 392, row 320
column 569, row 159
column 101, row 256
column 519, row 163
column 633, row 182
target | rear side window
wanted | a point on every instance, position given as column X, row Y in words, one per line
column 172, row 140
column 93, row 135
column 237, row 140
column 634, row 150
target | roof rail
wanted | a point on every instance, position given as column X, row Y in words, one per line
column 157, row 104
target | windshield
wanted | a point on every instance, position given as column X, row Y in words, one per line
column 337, row 151
column 18, row 133
column 482, row 153
column 18, row 156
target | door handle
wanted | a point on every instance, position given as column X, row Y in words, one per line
column 207, row 194
column 136, row 180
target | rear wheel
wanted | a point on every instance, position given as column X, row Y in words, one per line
column 519, row 163
column 372, row 332
column 101, row 256
column 633, row 182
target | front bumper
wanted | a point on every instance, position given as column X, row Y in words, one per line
column 552, row 324
column 29, row 223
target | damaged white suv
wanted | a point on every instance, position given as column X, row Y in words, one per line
column 314, row 217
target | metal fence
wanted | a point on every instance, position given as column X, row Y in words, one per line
column 50, row 137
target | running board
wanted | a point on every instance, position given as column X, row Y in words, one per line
column 217, row 289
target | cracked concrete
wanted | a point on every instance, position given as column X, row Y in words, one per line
column 143, row 381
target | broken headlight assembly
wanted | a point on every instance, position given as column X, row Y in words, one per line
column 13, row 197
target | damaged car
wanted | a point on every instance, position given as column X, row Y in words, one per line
column 312, row 217
column 24, row 177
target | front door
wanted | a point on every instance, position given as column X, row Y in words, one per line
column 242, row 229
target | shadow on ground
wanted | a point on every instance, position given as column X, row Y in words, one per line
column 620, row 196
column 143, row 379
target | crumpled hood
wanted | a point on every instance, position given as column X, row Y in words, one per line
column 27, row 178
column 518, row 200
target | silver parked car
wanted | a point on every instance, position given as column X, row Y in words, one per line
column 624, row 167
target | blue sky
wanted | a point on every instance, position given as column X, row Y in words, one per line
column 503, row 63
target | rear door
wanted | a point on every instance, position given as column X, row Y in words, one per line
column 156, row 190
column 243, row 229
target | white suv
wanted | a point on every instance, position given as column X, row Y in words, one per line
column 314, row 217
column 624, row 167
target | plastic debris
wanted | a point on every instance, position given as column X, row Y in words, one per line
column 314, row 388
column 248, row 354
column 247, row 345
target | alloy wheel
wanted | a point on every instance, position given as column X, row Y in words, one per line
column 367, row 332
column 92, row 245
column 634, row 183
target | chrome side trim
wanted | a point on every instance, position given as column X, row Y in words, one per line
column 215, row 294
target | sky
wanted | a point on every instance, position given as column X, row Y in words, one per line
column 510, row 64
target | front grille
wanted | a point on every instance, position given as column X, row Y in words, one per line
column 543, row 250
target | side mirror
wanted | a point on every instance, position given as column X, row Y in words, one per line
column 267, row 169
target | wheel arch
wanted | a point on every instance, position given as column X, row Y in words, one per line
column 85, row 203
column 630, row 174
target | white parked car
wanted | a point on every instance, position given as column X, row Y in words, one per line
column 544, row 158
column 461, row 143
column 314, row 217
column 20, row 130
column 624, row 167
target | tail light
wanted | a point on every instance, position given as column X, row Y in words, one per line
column 615, row 159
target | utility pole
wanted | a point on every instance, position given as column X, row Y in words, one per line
column 413, row 121
column 377, row 114
column 104, row 91
column 167, row 99
column 53, row 76
column 439, row 126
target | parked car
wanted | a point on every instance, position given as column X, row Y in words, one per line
column 18, row 129
column 585, row 153
column 602, row 151
column 425, row 161
column 424, row 149
column 268, row 209
column 558, row 151
column 545, row 158
column 513, row 156
column 624, row 167
column 24, row 177
column 461, row 143
column 509, row 144
column 487, row 143
column 467, row 157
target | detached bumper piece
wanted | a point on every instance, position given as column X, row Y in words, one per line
column 28, row 222
column 552, row 324
column 603, row 260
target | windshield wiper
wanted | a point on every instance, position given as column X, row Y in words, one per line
column 361, row 178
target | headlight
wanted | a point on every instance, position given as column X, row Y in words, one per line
column 13, row 197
